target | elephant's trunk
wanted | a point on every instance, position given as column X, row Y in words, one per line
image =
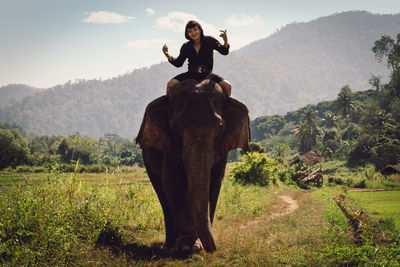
column 198, row 158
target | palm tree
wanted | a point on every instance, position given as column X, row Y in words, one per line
column 345, row 102
column 307, row 131
column 330, row 120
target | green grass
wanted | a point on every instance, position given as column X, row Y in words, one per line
column 115, row 219
column 339, row 230
column 13, row 178
column 359, row 177
column 342, row 250
column 379, row 204
column 65, row 219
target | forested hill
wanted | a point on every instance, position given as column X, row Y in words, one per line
column 302, row 63
column 12, row 93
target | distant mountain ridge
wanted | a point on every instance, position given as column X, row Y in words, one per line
column 302, row 63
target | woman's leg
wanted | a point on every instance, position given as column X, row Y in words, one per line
column 171, row 84
column 226, row 86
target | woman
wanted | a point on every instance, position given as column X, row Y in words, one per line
column 199, row 52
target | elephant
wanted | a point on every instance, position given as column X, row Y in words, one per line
column 185, row 139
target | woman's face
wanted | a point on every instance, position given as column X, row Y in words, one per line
column 194, row 33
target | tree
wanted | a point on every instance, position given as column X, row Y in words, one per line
column 386, row 153
column 280, row 152
column 307, row 131
column 14, row 148
column 345, row 102
column 388, row 48
column 331, row 142
column 330, row 120
column 64, row 151
column 376, row 121
column 375, row 82
column 76, row 147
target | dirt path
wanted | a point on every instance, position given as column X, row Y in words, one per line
column 285, row 206
column 291, row 205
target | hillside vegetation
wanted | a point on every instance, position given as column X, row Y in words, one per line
column 360, row 127
column 301, row 63
column 13, row 93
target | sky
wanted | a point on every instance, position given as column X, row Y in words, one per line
column 44, row 43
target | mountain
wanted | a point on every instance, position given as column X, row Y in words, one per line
column 305, row 63
column 300, row 64
column 12, row 93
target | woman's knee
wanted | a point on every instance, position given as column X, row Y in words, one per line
column 227, row 87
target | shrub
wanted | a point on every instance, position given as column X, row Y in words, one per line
column 39, row 169
column 66, row 167
column 82, row 168
column 361, row 184
column 256, row 168
column 335, row 181
column 96, row 168
column 370, row 172
column 23, row 168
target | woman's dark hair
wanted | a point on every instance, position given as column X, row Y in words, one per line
column 191, row 24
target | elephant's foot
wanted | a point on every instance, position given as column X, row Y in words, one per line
column 185, row 243
column 197, row 246
column 169, row 247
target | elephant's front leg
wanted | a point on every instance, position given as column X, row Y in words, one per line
column 153, row 159
column 175, row 187
column 217, row 174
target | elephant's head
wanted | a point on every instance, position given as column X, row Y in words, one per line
column 192, row 109
column 197, row 124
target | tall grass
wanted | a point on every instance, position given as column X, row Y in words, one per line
column 91, row 219
column 71, row 220
column 60, row 222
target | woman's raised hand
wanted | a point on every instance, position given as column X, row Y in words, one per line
column 165, row 49
column 224, row 35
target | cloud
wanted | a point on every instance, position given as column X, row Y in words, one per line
column 176, row 22
column 152, row 43
column 240, row 20
column 105, row 17
column 150, row 11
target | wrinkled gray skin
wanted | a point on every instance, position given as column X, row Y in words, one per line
column 185, row 138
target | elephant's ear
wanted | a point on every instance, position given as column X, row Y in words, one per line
column 237, row 131
column 154, row 131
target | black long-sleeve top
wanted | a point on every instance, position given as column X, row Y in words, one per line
column 204, row 59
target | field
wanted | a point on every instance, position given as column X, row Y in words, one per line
column 379, row 204
column 115, row 219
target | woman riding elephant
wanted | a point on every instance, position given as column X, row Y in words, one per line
column 199, row 52
column 185, row 138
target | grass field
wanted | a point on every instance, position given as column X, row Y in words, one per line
column 115, row 219
column 113, row 178
column 380, row 204
column 358, row 176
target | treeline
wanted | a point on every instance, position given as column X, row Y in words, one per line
column 361, row 127
column 111, row 150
